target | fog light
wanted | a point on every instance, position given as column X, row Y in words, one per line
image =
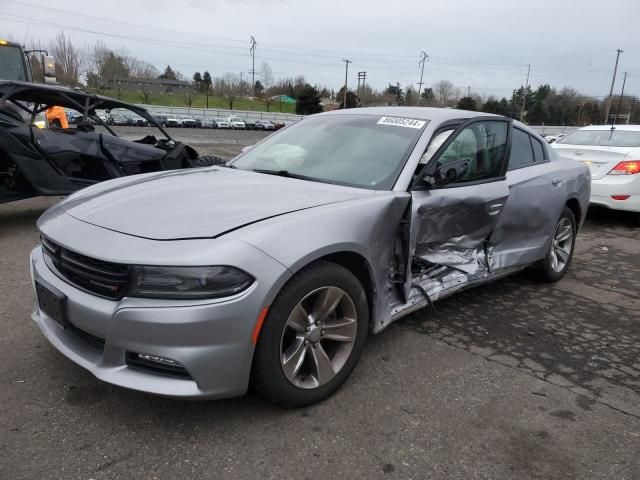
column 160, row 360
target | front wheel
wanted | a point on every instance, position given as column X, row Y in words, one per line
column 313, row 336
column 554, row 266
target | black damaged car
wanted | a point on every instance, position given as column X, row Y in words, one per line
column 58, row 161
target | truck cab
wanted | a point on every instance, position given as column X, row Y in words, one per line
column 16, row 65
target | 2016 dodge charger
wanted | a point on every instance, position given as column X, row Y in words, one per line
column 274, row 269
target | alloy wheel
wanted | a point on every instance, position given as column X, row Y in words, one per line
column 318, row 337
column 561, row 245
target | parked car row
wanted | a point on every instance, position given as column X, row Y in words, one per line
column 232, row 122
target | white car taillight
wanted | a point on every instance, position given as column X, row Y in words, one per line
column 628, row 167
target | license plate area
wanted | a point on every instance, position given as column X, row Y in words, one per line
column 52, row 302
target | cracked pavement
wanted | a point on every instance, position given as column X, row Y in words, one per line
column 514, row 379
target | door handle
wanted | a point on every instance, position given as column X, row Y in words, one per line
column 495, row 208
column 556, row 181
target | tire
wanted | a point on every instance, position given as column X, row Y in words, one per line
column 555, row 265
column 305, row 292
column 207, row 161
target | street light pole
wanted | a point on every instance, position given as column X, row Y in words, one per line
column 346, row 76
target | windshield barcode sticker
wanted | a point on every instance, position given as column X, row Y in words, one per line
column 401, row 122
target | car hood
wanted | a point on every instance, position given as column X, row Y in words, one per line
column 199, row 203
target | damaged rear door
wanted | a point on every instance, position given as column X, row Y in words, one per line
column 456, row 201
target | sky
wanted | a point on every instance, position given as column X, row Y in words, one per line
column 484, row 46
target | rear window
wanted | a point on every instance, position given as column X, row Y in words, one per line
column 603, row 138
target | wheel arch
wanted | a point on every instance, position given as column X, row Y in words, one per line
column 574, row 205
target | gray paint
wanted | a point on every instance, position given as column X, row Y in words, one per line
column 277, row 227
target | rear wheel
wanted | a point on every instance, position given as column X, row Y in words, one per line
column 554, row 266
column 313, row 336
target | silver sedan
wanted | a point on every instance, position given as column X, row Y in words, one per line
column 274, row 269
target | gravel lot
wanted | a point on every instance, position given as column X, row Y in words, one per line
column 510, row 380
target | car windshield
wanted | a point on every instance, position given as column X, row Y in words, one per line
column 603, row 138
column 12, row 64
column 365, row 151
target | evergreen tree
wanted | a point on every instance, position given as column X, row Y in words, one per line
column 308, row 101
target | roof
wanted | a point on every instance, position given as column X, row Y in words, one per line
column 421, row 113
column 632, row 128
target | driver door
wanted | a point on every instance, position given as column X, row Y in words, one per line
column 458, row 196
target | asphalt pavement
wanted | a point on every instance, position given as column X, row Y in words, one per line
column 514, row 379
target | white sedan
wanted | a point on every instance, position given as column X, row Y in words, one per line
column 613, row 155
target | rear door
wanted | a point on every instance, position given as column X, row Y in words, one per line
column 458, row 197
column 537, row 195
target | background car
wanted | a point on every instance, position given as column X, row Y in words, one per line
column 264, row 125
column 316, row 237
column 613, row 155
column 236, row 123
column 188, row 121
column 220, row 123
column 250, row 124
column 119, row 120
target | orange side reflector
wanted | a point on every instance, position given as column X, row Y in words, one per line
column 258, row 327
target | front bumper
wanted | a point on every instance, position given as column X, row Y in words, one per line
column 212, row 340
column 603, row 188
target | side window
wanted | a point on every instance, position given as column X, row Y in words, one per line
column 521, row 150
column 538, row 150
column 476, row 153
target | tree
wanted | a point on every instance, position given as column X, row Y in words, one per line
column 466, row 103
column 352, row 99
column 410, row 96
column 69, row 60
column 444, row 91
column 206, row 80
column 169, row 74
column 308, row 101
column 394, row 94
column 197, row 82
column 258, row 88
column 266, row 74
column 146, row 96
column 428, row 95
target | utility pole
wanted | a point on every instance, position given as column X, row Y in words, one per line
column 631, row 105
column 362, row 76
column 524, row 96
column 468, row 91
column 241, row 85
column 615, row 119
column 423, row 58
column 613, row 81
column 346, row 76
column 252, row 51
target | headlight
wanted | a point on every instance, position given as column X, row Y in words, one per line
column 187, row 282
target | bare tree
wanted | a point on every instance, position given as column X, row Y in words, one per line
column 229, row 83
column 266, row 74
column 444, row 92
column 69, row 60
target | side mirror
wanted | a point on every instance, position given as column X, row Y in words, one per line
column 451, row 172
column 49, row 69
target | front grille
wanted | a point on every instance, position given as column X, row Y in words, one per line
column 106, row 279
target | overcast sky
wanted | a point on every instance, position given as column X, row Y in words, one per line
column 485, row 45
